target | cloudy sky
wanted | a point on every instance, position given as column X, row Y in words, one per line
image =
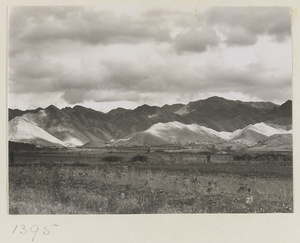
column 105, row 58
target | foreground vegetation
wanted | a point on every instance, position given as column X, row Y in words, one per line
column 134, row 184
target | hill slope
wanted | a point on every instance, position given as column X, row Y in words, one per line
column 176, row 123
column 228, row 115
column 178, row 133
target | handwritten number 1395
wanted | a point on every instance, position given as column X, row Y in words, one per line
column 34, row 229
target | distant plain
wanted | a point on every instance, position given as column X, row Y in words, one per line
column 141, row 181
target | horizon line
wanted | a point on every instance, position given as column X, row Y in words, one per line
column 149, row 105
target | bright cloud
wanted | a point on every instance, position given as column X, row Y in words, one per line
column 110, row 57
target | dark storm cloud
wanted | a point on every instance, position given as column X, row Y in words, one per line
column 73, row 95
column 251, row 22
column 196, row 40
column 34, row 74
column 100, row 55
column 240, row 26
column 84, row 25
column 123, row 75
column 240, row 37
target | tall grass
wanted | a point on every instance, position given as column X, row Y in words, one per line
column 119, row 189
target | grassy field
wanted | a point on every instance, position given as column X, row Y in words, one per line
column 135, row 182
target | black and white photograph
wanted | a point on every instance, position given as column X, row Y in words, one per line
column 149, row 110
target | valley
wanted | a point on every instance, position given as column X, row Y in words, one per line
column 208, row 156
column 139, row 180
column 214, row 120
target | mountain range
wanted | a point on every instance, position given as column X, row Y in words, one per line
column 213, row 120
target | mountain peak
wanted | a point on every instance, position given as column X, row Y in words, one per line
column 216, row 98
column 286, row 108
column 51, row 107
column 186, row 121
column 172, row 108
column 287, row 103
column 81, row 108
column 146, row 108
column 118, row 111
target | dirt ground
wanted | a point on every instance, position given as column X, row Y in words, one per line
column 114, row 181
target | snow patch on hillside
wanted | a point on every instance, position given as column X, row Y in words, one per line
column 22, row 130
column 152, row 116
column 183, row 110
column 122, row 140
column 158, row 128
column 71, row 142
column 261, row 128
column 25, row 129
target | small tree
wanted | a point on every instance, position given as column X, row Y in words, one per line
column 208, row 158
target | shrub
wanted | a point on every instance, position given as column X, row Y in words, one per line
column 140, row 158
column 112, row 158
